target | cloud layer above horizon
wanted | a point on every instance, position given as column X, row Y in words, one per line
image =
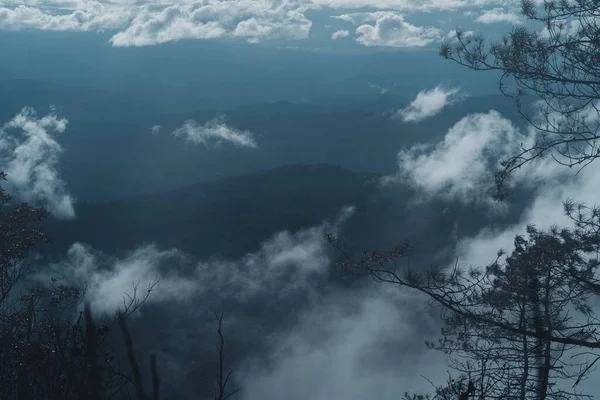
column 389, row 29
column 148, row 23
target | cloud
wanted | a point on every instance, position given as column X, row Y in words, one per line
column 556, row 185
column 342, row 33
column 30, row 156
column 406, row 5
column 214, row 133
column 156, row 129
column 347, row 343
column 390, row 30
column 284, row 265
column 499, row 15
column 108, row 280
column 550, row 184
column 368, row 343
column 452, row 33
column 87, row 16
column 146, row 23
column 428, row 103
column 247, row 19
column 462, row 165
column 359, row 18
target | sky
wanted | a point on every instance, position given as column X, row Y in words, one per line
column 172, row 55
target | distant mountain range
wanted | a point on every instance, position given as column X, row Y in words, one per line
column 226, row 218
column 231, row 217
column 110, row 152
column 209, row 73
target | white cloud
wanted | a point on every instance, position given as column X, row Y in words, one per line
column 406, row 5
column 213, row 133
column 568, row 27
column 286, row 264
column 544, row 211
column 390, row 30
column 498, row 15
column 144, row 23
column 30, row 155
column 365, row 344
column 359, row 18
column 428, row 103
column 342, row 33
column 248, row 19
column 462, row 165
column 452, row 33
column 156, row 129
column 147, row 23
column 109, row 280
column 87, row 16
column 551, row 184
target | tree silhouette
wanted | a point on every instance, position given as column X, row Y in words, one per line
column 44, row 352
column 557, row 62
column 515, row 321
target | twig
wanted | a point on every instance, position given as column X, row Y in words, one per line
column 222, row 383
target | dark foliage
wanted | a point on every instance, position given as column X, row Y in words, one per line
column 44, row 352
